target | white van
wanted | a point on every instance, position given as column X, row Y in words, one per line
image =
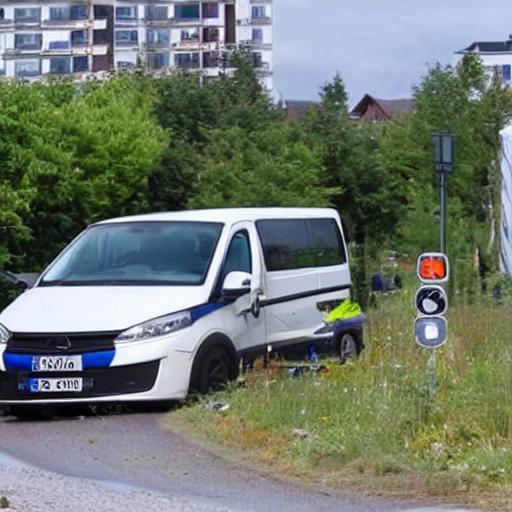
column 151, row 306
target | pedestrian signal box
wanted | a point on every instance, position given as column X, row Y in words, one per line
column 433, row 267
column 430, row 331
column 431, row 300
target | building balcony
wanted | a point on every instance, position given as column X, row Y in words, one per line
column 255, row 45
column 66, row 24
column 185, row 22
column 187, row 45
column 155, row 47
column 267, row 20
column 26, row 24
column 6, row 24
column 12, row 53
column 168, row 22
column 126, row 45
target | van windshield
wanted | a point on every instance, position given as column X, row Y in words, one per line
column 137, row 253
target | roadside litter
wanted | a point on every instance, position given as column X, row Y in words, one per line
column 218, row 406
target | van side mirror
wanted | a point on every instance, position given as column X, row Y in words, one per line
column 235, row 285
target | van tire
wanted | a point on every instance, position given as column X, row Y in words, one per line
column 215, row 364
column 349, row 346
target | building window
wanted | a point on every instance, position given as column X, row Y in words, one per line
column 187, row 12
column 59, row 66
column 28, row 41
column 102, row 12
column 505, row 72
column 59, row 13
column 65, row 13
column 210, row 35
column 155, row 12
column 101, row 37
column 126, row 13
column 158, row 60
column 2, row 13
column 27, row 15
column 190, row 35
column 257, row 35
column 187, row 60
column 258, row 11
column 127, row 37
column 78, row 12
column 27, row 68
column 80, row 64
column 210, row 59
column 125, row 64
column 257, row 60
column 79, row 37
column 157, row 36
column 59, row 45
column 210, row 10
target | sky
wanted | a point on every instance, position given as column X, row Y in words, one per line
column 379, row 47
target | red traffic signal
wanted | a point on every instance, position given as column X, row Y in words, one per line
column 433, row 267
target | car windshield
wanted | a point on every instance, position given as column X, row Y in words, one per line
column 137, row 253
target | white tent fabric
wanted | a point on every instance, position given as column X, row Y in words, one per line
column 506, row 201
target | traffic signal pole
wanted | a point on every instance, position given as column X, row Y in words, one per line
column 442, row 193
column 430, row 326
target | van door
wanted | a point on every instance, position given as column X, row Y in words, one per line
column 306, row 265
column 248, row 319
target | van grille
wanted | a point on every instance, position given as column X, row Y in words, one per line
column 80, row 343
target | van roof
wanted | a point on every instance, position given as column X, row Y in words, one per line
column 227, row 215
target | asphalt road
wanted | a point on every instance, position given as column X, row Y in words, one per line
column 132, row 456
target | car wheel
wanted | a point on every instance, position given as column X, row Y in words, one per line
column 213, row 370
column 348, row 347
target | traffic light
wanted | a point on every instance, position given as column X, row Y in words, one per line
column 430, row 327
column 431, row 300
column 433, row 267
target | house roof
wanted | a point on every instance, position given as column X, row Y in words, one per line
column 296, row 108
column 488, row 47
column 373, row 109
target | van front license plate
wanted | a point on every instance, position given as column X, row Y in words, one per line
column 55, row 385
column 57, row 364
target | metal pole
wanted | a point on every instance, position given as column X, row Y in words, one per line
column 443, row 211
column 431, row 365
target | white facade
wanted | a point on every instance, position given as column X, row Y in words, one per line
column 38, row 38
column 494, row 55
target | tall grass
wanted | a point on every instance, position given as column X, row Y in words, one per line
column 442, row 429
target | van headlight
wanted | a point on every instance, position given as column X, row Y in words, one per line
column 5, row 335
column 156, row 327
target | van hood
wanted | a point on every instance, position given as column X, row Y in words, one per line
column 95, row 308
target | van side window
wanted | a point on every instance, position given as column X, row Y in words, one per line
column 301, row 243
column 239, row 254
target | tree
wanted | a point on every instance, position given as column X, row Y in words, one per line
column 271, row 167
column 190, row 106
column 82, row 157
column 370, row 198
column 466, row 101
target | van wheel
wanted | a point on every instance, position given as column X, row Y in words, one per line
column 348, row 347
column 213, row 368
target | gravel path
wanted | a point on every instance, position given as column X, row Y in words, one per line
column 25, row 489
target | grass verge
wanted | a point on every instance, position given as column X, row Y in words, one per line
column 384, row 424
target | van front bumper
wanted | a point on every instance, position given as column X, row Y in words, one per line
column 97, row 382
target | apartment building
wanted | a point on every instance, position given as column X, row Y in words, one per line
column 44, row 37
